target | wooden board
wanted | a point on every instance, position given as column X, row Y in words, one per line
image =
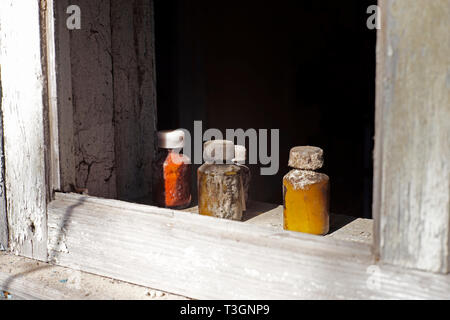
column 65, row 110
column 203, row 257
column 93, row 100
column 134, row 96
column 412, row 168
column 106, row 105
column 49, row 44
column 24, row 278
column 24, row 103
column 3, row 213
column 342, row 227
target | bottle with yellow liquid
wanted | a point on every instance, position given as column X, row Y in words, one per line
column 220, row 187
column 306, row 193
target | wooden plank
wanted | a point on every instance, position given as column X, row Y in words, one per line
column 24, row 101
column 28, row 279
column 93, row 100
column 49, row 21
column 412, row 168
column 63, row 117
column 203, row 257
column 3, row 212
column 106, row 130
column 341, row 227
column 134, row 95
column 378, row 151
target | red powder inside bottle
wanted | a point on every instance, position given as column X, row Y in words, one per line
column 171, row 187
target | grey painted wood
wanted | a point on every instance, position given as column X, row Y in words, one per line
column 106, row 98
column 3, row 213
column 342, row 227
column 134, row 95
column 412, row 167
column 24, row 100
column 93, row 100
column 29, row 279
column 64, row 122
column 203, row 257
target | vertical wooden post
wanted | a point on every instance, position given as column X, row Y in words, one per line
column 54, row 156
column 132, row 38
column 93, row 100
column 106, row 97
column 3, row 213
column 412, row 153
column 24, row 105
column 63, row 172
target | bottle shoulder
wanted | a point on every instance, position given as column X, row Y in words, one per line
column 301, row 179
column 167, row 156
column 217, row 169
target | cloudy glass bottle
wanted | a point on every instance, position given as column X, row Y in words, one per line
column 220, row 187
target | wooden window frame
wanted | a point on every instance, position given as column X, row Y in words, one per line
column 202, row 257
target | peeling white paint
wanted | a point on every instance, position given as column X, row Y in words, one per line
column 23, row 86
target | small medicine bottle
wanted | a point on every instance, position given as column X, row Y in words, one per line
column 171, row 172
column 306, row 192
column 240, row 155
column 220, row 187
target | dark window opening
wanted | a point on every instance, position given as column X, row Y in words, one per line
column 304, row 67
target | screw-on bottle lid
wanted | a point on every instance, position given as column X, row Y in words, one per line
column 171, row 139
column 240, row 154
column 218, row 151
column 306, row 158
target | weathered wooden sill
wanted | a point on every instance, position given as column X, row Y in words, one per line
column 203, row 257
column 342, row 227
column 23, row 278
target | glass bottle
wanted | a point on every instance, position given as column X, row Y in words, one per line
column 171, row 172
column 240, row 155
column 306, row 193
column 220, row 188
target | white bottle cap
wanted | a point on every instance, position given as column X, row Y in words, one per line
column 171, row 139
column 240, row 153
column 218, row 151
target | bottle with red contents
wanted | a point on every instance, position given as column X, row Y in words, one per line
column 171, row 172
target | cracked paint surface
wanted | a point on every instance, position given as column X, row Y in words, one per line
column 93, row 101
column 23, row 90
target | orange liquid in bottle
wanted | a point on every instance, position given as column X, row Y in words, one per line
column 172, row 180
column 306, row 202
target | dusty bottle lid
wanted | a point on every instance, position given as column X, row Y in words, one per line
column 240, row 153
column 218, row 151
column 306, row 158
column 171, row 139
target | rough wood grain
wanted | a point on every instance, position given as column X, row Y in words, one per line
column 64, row 114
column 92, row 88
column 412, row 168
column 341, row 227
column 106, row 98
column 134, row 95
column 28, row 279
column 3, row 213
column 23, row 103
column 52, row 86
column 204, row 257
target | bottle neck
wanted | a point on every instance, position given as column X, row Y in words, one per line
column 218, row 163
column 172, row 150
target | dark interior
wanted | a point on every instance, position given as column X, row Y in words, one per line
column 304, row 67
